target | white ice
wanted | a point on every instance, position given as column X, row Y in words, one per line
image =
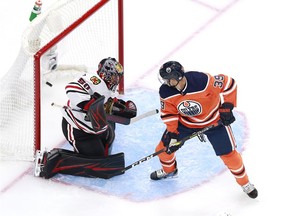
column 245, row 39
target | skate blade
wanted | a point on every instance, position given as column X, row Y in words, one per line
column 169, row 178
column 37, row 166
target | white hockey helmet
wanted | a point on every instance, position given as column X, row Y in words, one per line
column 110, row 71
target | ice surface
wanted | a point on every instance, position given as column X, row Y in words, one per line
column 245, row 39
column 197, row 162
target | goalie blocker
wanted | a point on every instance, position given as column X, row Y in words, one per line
column 97, row 115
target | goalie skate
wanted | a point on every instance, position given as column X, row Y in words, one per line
column 38, row 162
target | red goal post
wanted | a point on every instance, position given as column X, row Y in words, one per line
column 80, row 33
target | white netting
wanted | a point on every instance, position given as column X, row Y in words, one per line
column 96, row 38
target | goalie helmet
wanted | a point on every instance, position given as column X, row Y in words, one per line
column 171, row 70
column 110, row 71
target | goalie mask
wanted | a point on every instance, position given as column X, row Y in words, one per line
column 171, row 70
column 110, row 71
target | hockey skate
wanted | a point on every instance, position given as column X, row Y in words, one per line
column 45, row 162
column 250, row 190
column 161, row 174
column 39, row 162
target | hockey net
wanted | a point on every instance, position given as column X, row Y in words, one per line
column 63, row 41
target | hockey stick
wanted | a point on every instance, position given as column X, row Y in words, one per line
column 195, row 134
column 115, row 118
column 128, row 121
column 66, row 107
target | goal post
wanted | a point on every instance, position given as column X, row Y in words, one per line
column 68, row 34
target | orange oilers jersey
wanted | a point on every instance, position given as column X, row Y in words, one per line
column 196, row 106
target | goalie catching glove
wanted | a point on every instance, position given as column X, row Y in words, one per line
column 119, row 107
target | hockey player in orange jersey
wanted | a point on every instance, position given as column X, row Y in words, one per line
column 191, row 101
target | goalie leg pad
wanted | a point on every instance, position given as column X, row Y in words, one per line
column 71, row 163
column 49, row 162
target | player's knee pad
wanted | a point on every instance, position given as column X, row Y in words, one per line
column 159, row 146
column 164, row 156
column 232, row 160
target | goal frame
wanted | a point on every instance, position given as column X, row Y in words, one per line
column 55, row 40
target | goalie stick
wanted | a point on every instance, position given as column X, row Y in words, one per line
column 128, row 121
column 114, row 118
column 195, row 134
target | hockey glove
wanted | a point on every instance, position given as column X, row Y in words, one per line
column 126, row 109
column 226, row 114
column 109, row 105
column 169, row 139
column 112, row 103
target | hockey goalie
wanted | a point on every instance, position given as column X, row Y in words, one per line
column 86, row 127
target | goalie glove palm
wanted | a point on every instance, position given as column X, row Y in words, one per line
column 108, row 106
column 126, row 109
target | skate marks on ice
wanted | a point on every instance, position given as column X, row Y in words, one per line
column 196, row 160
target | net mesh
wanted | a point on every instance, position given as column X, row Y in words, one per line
column 94, row 39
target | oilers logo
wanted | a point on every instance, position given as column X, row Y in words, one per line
column 190, row 108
